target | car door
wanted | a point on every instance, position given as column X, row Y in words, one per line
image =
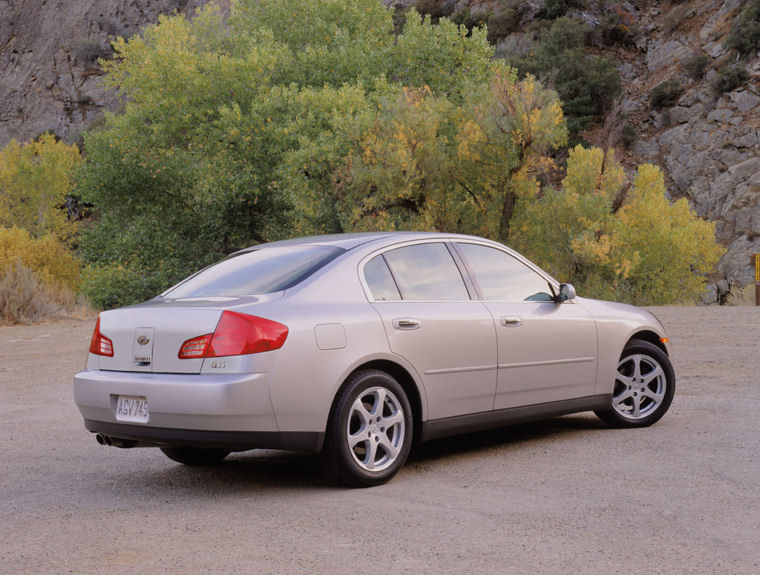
column 547, row 351
column 432, row 322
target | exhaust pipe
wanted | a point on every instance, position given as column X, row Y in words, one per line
column 115, row 441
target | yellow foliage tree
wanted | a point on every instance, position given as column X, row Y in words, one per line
column 662, row 250
column 35, row 179
column 427, row 163
column 643, row 250
column 52, row 263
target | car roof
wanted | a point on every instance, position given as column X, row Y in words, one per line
column 353, row 240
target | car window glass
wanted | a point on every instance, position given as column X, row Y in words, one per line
column 255, row 272
column 502, row 277
column 426, row 272
column 380, row 281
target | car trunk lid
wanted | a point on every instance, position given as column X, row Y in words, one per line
column 148, row 337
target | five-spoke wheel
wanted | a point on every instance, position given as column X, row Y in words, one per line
column 644, row 386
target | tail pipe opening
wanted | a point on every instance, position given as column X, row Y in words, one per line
column 115, row 441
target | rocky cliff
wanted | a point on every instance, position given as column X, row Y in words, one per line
column 49, row 74
column 706, row 139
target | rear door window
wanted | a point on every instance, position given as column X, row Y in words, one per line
column 381, row 284
column 426, row 272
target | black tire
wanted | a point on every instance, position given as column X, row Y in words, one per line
column 195, row 456
column 369, row 432
column 644, row 386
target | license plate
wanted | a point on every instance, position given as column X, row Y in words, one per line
column 132, row 408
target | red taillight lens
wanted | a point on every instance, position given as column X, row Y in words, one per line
column 236, row 334
column 100, row 344
column 195, row 347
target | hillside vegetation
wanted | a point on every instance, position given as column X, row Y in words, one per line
column 294, row 117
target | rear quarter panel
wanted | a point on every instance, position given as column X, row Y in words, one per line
column 306, row 378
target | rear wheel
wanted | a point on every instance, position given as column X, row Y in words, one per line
column 195, row 456
column 370, row 430
column 644, row 386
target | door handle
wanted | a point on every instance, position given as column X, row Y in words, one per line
column 511, row 321
column 406, row 323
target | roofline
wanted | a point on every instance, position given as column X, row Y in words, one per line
column 350, row 241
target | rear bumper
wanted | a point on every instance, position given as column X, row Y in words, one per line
column 145, row 436
column 220, row 410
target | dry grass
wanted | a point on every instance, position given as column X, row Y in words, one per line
column 24, row 299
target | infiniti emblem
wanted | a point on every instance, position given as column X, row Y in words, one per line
column 143, row 340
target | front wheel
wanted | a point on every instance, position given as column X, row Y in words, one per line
column 644, row 386
column 370, row 430
column 195, row 456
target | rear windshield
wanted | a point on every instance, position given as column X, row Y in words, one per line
column 256, row 272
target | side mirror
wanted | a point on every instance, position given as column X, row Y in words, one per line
column 566, row 293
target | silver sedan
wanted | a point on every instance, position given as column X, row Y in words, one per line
column 358, row 346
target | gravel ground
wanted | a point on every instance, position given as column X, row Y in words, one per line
column 567, row 495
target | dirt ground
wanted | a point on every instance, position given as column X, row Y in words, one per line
column 568, row 495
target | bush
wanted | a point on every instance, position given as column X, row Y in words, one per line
column 628, row 136
column 23, row 298
column 744, row 36
column 470, row 21
column 553, row 9
column 696, row 66
column 435, row 8
column 110, row 286
column 731, row 77
column 53, row 265
column 665, row 94
column 88, row 53
column 505, row 20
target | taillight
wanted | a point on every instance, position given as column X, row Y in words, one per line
column 236, row 334
column 100, row 344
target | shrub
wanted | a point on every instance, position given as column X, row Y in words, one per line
column 23, row 298
column 696, row 66
column 731, row 77
column 470, row 21
column 744, row 36
column 109, row 286
column 505, row 20
column 628, row 136
column 553, row 9
column 435, row 8
column 665, row 94
column 53, row 265
column 88, row 53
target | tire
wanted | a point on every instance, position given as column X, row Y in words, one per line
column 369, row 432
column 195, row 456
column 643, row 389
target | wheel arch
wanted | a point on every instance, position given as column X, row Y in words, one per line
column 651, row 337
column 404, row 378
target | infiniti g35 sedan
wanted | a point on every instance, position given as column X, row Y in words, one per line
column 359, row 345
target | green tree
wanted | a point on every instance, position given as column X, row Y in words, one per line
column 35, row 180
column 587, row 84
column 233, row 133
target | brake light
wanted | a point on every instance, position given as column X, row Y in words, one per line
column 236, row 334
column 100, row 344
